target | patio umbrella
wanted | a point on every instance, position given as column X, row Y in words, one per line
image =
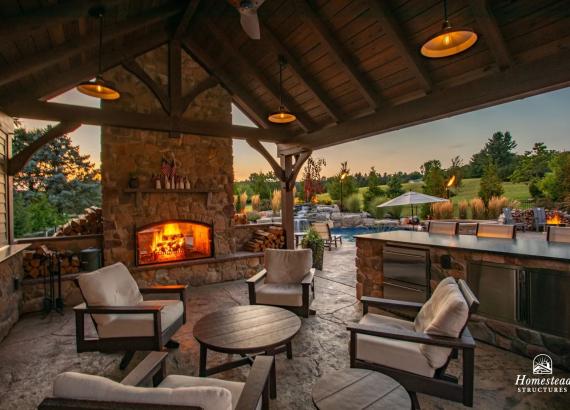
column 412, row 198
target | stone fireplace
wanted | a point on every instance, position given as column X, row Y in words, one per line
column 202, row 248
column 173, row 241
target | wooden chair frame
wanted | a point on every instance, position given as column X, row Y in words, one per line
column 441, row 384
column 455, row 231
column 330, row 239
column 552, row 227
column 160, row 337
column 513, row 233
column 308, row 289
column 153, row 368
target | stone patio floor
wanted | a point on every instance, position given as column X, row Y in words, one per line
column 37, row 349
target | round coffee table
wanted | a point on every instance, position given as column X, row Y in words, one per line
column 246, row 330
column 354, row 389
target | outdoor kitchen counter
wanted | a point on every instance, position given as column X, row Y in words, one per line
column 524, row 248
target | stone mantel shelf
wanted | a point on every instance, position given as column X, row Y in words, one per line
column 140, row 191
column 8, row 251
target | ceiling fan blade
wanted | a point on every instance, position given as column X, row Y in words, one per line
column 250, row 24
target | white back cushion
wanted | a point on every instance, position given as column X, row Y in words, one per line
column 79, row 386
column 444, row 314
column 109, row 286
column 286, row 265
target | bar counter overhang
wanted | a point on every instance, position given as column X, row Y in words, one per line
column 523, row 284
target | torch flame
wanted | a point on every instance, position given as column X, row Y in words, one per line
column 451, row 181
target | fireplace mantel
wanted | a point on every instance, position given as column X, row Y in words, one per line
column 139, row 191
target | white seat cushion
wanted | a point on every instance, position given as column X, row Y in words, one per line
column 79, row 386
column 142, row 324
column 235, row 388
column 444, row 314
column 286, row 265
column 389, row 352
column 279, row 294
column 109, row 286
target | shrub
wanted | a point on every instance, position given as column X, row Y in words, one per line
column 243, row 201
column 253, row 216
column 496, row 205
column 313, row 241
column 477, row 208
column 276, row 201
column 463, row 207
column 376, row 212
column 352, row 203
column 393, row 212
column 255, row 202
column 236, row 203
column 442, row 210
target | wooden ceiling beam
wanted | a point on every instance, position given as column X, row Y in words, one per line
column 49, row 111
column 40, row 60
column 135, row 69
column 68, row 79
column 337, row 51
column 240, row 95
column 184, row 22
column 520, row 81
column 204, row 85
column 491, row 33
column 250, row 69
column 301, row 73
column 25, row 25
column 381, row 11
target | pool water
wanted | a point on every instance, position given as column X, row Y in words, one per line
column 349, row 233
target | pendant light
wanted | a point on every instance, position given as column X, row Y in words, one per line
column 450, row 40
column 99, row 88
column 282, row 115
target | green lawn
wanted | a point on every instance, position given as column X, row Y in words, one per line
column 468, row 191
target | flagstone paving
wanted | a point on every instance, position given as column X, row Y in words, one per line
column 37, row 349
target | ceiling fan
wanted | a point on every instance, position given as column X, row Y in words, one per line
column 248, row 16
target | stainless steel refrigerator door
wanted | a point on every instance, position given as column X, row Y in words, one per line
column 549, row 301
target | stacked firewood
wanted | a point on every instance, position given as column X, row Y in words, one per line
column 37, row 263
column 272, row 238
column 89, row 223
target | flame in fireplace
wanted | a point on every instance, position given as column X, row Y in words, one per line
column 554, row 219
column 173, row 241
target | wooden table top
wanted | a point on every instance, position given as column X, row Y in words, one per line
column 354, row 389
column 247, row 329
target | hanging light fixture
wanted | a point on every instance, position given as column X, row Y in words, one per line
column 99, row 88
column 282, row 115
column 450, row 40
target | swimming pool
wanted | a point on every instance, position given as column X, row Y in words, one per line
column 349, row 233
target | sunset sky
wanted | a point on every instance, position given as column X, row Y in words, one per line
column 544, row 118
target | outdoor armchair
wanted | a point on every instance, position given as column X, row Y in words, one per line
column 287, row 281
column 123, row 319
column 496, row 231
column 324, row 231
column 417, row 354
column 558, row 234
column 443, row 228
column 81, row 391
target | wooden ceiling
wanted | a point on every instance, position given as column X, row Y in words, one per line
column 354, row 67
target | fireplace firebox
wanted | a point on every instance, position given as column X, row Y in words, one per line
column 173, row 241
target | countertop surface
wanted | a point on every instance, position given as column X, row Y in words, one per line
column 526, row 248
column 10, row 250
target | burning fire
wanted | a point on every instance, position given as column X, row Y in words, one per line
column 554, row 219
column 173, row 241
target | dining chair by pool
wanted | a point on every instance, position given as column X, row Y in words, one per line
column 558, row 234
column 443, row 228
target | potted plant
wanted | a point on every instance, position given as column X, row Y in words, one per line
column 133, row 180
column 316, row 244
column 253, row 217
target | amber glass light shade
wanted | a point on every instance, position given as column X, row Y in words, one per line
column 99, row 88
column 449, row 41
column 281, row 117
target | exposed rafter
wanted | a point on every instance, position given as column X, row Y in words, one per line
column 250, row 69
column 491, row 33
column 277, row 170
column 240, row 95
column 383, row 14
column 135, row 69
column 337, row 51
column 184, row 22
column 40, row 60
column 26, row 25
column 49, row 111
column 68, row 79
column 301, row 73
column 518, row 82
column 17, row 162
